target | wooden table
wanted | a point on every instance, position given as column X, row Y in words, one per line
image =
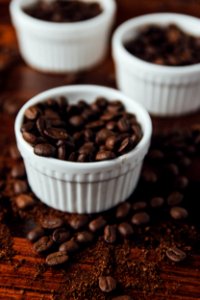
column 18, row 277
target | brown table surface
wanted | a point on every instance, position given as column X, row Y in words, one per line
column 20, row 84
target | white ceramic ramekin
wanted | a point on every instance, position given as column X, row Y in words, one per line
column 61, row 47
column 163, row 90
column 84, row 187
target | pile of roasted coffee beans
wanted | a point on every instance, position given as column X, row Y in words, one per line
column 81, row 132
column 64, row 11
column 168, row 46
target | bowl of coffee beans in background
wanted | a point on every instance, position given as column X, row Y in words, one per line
column 62, row 36
column 83, row 146
column 158, row 62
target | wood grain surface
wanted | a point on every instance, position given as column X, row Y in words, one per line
column 22, row 277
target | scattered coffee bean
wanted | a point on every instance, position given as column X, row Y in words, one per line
column 52, row 223
column 20, row 187
column 84, row 237
column 24, row 201
column 157, row 202
column 156, row 155
column 69, row 246
column 43, row 244
column 35, row 234
column 60, row 235
column 125, row 229
column 57, row 258
column 107, row 284
column 149, row 176
column 110, row 234
column 78, row 221
column 97, row 224
column 18, row 171
column 172, row 169
column 139, row 205
column 175, row 254
column 181, row 182
column 178, row 213
column 174, row 198
column 123, row 210
column 140, row 218
column 185, row 162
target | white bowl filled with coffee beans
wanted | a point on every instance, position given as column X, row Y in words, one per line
column 83, row 146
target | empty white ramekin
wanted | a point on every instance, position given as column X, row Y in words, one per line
column 163, row 90
column 84, row 187
column 62, row 47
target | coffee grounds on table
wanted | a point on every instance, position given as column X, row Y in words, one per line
column 62, row 11
column 169, row 46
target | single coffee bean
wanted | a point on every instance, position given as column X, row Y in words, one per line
column 110, row 234
column 178, row 213
column 175, row 254
column 20, row 187
column 14, row 152
column 140, row 218
column 52, row 222
column 123, row 210
column 88, row 135
column 57, row 258
column 101, row 102
column 31, row 113
column 18, row 171
column 45, row 150
column 97, row 224
column 83, row 158
column 62, row 152
column 174, row 198
column 35, row 234
column 43, row 244
column 56, row 133
column 84, row 237
column 181, row 182
column 69, row 246
column 124, row 125
column 149, row 176
column 112, row 142
column 30, row 137
column 111, row 125
column 77, row 121
column 95, row 125
column 60, row 235
column 157, row 202
column 185, row 162
column 104, row 155
column 41, row 125
column 156, row 155
column 125, row 146
column 139, row 205
column 172, row 169
column 87, row 148
column 28, row 126
column 107, row 284
column 123, row 297
column 24, row 201
column 78, row 221
column 102, row 135
column 125, row 229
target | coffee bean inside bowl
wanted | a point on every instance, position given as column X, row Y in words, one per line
column 61, row 11
column 79, row 132
column 165, row 45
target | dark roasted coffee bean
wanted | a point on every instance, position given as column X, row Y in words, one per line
column 57, row 258
column 18, row 171
column 76, row 121
column 102, row 135
column 69, row 246
column 123, row 297
column 97, row 224
column 108, row 116
column 174, row 198
column 124, row 125
column 125, row 229
column 73, row 156
column 110, row 234
column 20, row 187
column 78, row 221
column 87, row 148
column 185, row 162
column 140, row 218
column 95, row 125
column 181, row 182
column 83, row 158
column 149, row 176
column 30, row 137
column 175, row 254
column 56, row 133
column 157, row 202
column 139, row 205
column 52, row 222
column 112, row 142
column 43, row 244
column 45, row 150
column 84, row 237
column 123, row 210
column 24, row 201
column 172, row 169
column 156, row 155
column 115, row 106
column 104, row 155
column 31, row 113
column 101, row 102
column 35, row 234
column 88, row 135
column 41, row 125
column 14, row 152
column 62, row 152
column 111, row 125
column 28, row 126
column 107, row 284
column 178, row 213
column 125, row 146
column 60, row 235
